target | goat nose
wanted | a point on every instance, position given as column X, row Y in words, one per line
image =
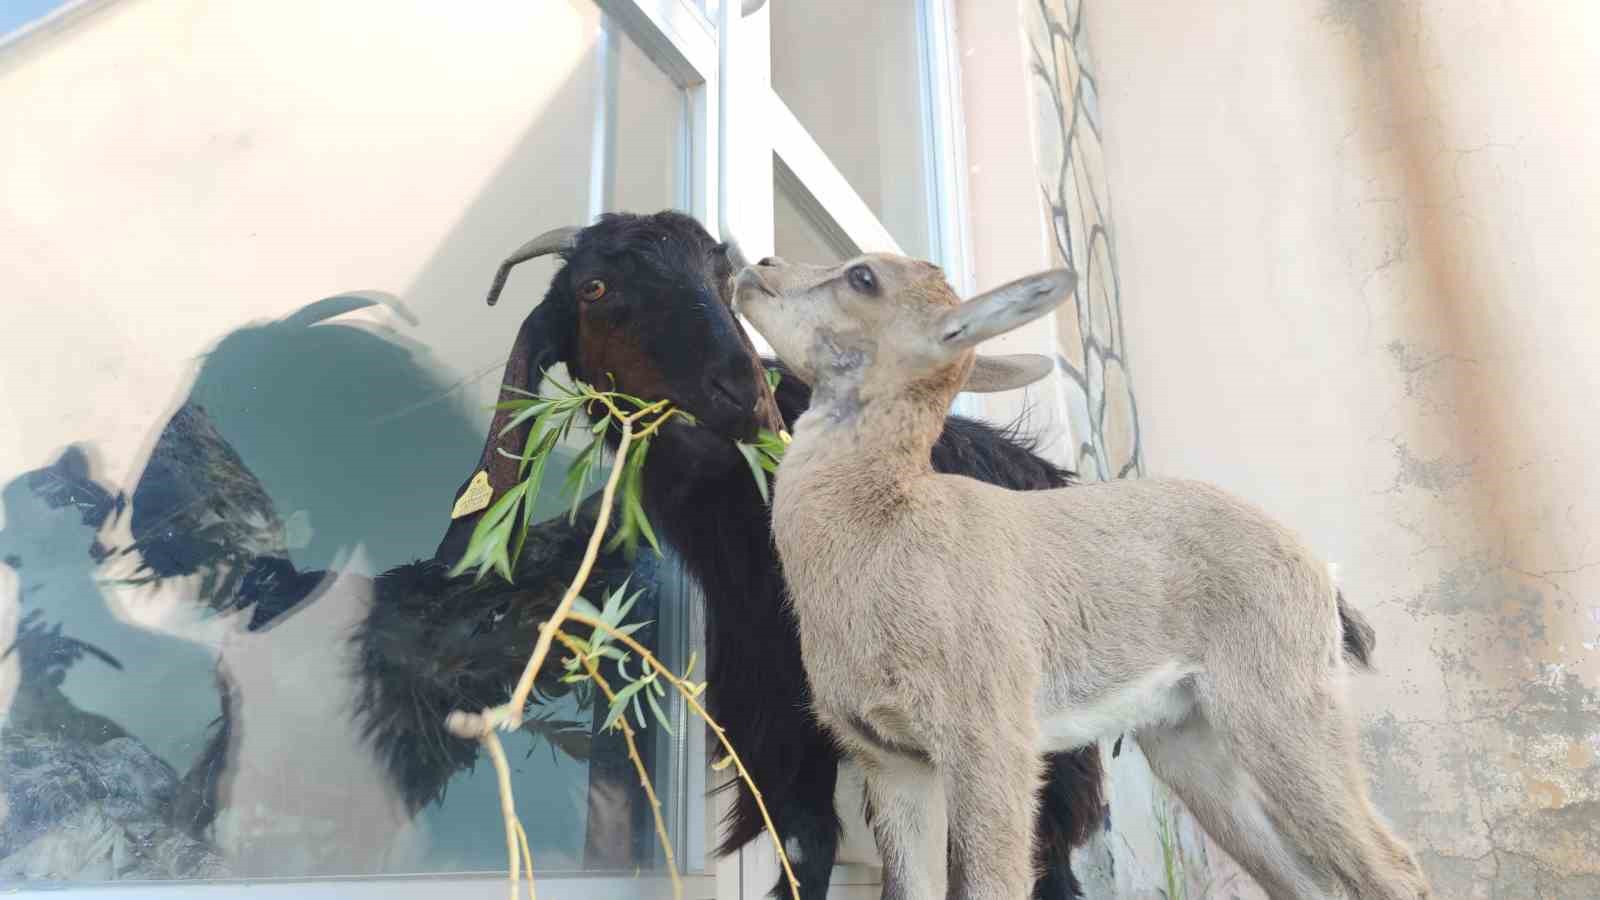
column 770, row 261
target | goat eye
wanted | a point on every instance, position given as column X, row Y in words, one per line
column 592, row 290
column 862, row 279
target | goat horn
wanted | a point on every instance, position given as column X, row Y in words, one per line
column 553, row 241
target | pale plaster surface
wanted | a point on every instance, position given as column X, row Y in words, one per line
column 1356, row 246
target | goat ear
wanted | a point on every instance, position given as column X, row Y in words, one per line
column 1007, row 307
column 992, row 374
column 544, row 341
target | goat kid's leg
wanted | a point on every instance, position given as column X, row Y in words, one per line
column 1190, row 758
column 1301, row 752
column 992, row 790
column 906, row 810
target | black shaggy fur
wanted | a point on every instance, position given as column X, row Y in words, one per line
column 433, row 644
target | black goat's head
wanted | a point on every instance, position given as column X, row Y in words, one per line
column 641, row 305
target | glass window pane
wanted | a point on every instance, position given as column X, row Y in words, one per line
column 853, row 74
column 206, row 469
column 798, row 235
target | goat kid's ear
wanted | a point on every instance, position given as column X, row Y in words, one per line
column 992, row 374
column 1005, row 308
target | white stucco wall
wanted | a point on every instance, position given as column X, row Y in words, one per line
column 1356, row 244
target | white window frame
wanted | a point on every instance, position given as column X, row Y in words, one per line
column 764, row 145
column 744, row 141
column 739, row 135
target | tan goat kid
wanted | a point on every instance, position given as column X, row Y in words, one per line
column 952, row 630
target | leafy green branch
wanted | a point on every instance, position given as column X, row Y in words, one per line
column 502, row 530
column 498, row 538
column 691, row 691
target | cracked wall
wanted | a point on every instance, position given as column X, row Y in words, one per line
column 1356, row 241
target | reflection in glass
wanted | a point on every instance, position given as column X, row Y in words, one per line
column 225, row 650
column 177, row 644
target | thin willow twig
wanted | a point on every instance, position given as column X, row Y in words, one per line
column 527, row 856
column 691, row 697
column 510, row 715
column 633, row 754
column 508, row 807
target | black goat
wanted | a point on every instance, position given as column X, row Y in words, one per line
column 641, row 304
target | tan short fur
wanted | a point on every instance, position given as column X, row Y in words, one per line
column 1166, row 608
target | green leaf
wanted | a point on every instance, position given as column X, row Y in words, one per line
column 515, row 553
column 491, row 533
column 502, row 564
column 630, row 398
column 750, row 457
column 623, row 604
column 578, row 477
column 584, row 608
column 619, row 706
column 660, row 716
column 566, row 424
column 644, row 528
column 771, row 443
column 532, row 410
column 610, row 652
column 534, row 479
column 502, row 508
column 515, row 404
column 632, row 521
column 541, row 440
column 773, row 377
column 559, row 385
column 633, row 500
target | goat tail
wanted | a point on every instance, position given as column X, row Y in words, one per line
column 1359, row 637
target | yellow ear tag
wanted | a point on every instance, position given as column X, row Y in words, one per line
column 475, row 497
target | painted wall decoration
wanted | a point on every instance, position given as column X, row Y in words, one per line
column 1092, row 346
column 1150, row 846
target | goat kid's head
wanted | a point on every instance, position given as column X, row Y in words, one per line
column 886, row 324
